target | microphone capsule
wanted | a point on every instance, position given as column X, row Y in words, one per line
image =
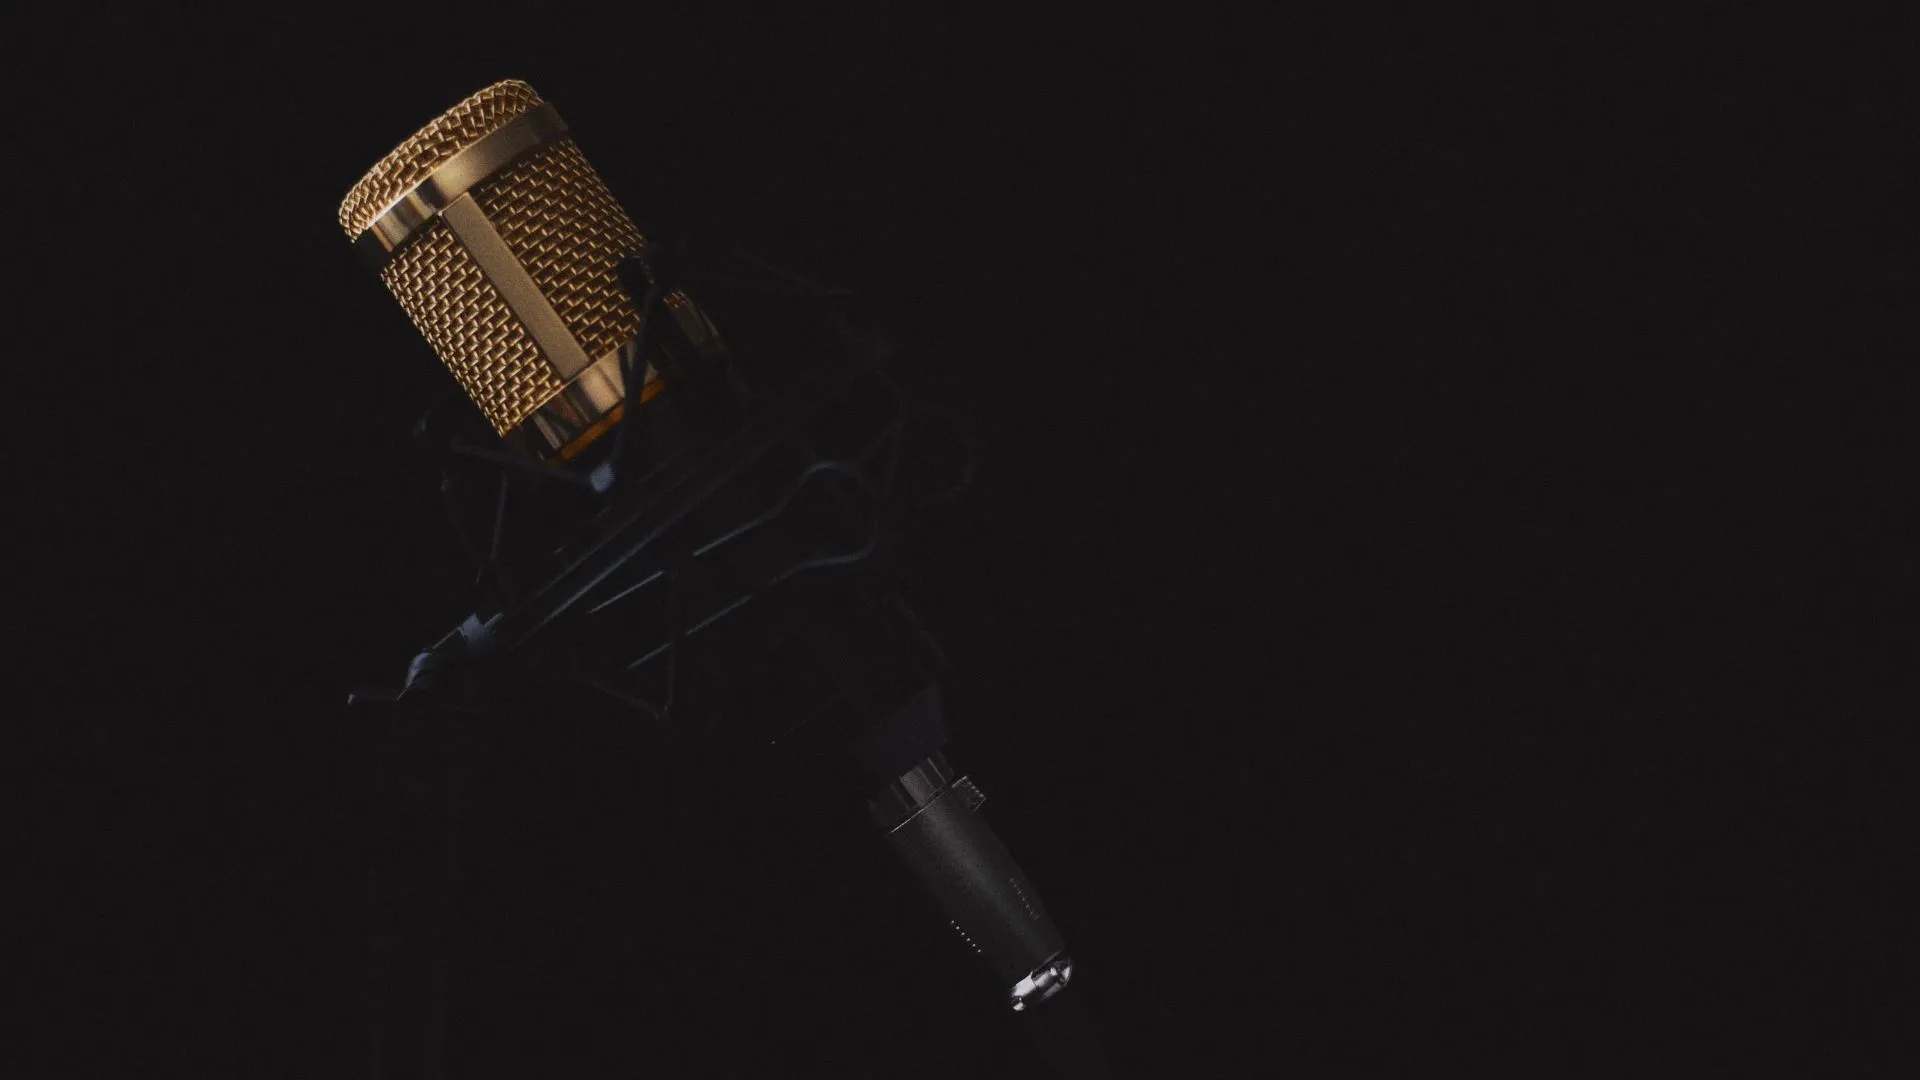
column 504, row 246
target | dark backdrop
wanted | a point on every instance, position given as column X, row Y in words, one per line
column 1436, row 596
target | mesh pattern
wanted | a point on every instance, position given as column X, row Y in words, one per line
column 564, row 226
column 471, row 328
column 430, row 147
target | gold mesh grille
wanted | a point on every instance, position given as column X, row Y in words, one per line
column 430, row 147
column 564, row 226
column 476, row 335
column 556, row 217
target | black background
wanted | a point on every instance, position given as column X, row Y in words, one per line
column 1438, row 595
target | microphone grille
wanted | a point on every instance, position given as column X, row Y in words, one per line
column 431, row 147
column 560, row 226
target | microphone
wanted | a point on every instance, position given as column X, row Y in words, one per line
column 658, row 510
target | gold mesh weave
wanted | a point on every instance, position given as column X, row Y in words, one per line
column 564, row 226
column 431, row 147
column 476, row 335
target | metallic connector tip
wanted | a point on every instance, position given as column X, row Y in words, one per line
column 1041, row 983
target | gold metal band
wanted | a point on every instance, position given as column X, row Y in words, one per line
column 584, row 408
column 501, row 147
column 563, row 417
column 565, row 423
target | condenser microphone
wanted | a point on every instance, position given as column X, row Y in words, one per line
column 541, row 297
